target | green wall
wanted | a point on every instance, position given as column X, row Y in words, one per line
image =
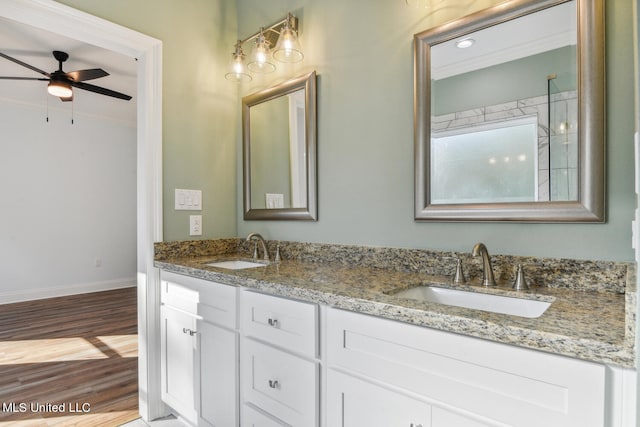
column 509, row 81
column 270, row 163
column 362, row 51
column 199, row 105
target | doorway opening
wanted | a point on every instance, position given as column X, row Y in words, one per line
column 55, row 17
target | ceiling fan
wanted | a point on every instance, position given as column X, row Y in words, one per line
column 60, row 83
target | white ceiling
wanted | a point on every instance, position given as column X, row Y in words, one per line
column 34, row 46
column 528, row 35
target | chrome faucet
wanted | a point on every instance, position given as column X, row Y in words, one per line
column 265, row 250
column 487, row 269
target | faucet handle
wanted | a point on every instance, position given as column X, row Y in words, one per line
column 520, row 283
column 459, row 276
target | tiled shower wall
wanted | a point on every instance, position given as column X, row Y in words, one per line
column 558, row 162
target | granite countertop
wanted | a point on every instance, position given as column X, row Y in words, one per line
column 588, row 325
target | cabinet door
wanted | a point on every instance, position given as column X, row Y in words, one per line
column 218, row 379
column 497, row 383
column 177, row 360
column 251, row 417
column 443, row 418
column 352, row 402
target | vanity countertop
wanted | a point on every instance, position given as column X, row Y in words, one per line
column 588, row 325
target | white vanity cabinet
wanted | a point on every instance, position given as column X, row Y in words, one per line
column 279, row 361
column 178, row 361
column 199, row 345
column 452, row 380
column 233, row 356
column 353, row 402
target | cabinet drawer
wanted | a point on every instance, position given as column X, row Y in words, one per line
column 494, row 381
column 213, row 301
column 252, row 417
column 218, row 304
column 280, row 383
column 178, row 296
column 283, row 322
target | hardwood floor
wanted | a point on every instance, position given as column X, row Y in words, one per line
column 70, row 361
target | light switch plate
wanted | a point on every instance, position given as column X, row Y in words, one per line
column 636, row 154
column 274, row 200
column 195, row 225
column 188, row 200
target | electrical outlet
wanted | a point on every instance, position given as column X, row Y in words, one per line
column 195, row 225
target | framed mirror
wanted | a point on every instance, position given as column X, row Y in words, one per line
column 510, row 114
column 279, row 151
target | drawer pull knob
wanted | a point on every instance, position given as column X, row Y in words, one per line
column 273, row 383
column 273, row 322
column 415, row 425
column 189, row 331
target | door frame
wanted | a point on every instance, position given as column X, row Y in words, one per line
column 60, row 19
column 636, row 224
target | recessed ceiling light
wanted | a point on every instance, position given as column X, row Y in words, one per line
column 465, row 43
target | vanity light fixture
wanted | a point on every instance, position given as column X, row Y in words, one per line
column 418, row 3
column 261, row 56
column 238, row 68
column 465, row 43
column 287, row 49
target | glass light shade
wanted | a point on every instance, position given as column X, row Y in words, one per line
column 260, row 61
column 238, row 72
column 418, row 3
column 60, row 89
column 288, row 48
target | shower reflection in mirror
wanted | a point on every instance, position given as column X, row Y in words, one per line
column 488, row 146
column 521, row 151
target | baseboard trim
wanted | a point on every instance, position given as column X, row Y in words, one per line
column 61, row 291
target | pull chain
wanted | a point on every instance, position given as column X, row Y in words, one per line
column 47, row 112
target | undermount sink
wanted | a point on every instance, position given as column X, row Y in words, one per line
column 522, row 307
column 236, row 264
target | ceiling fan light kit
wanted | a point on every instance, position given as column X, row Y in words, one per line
column 59, row 88
column 61, row 84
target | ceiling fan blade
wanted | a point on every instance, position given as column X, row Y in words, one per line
column 82, row 75
column 24, row 64
column 23, row 78
column 100, row 90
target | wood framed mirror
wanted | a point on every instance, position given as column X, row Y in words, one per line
column 512, row 127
